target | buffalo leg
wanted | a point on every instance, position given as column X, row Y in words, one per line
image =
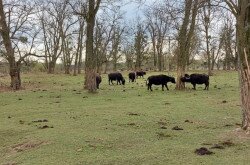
column 150, row 87
column 206, row 86
column 194, row 86
column 166, row 86
column 162, row 86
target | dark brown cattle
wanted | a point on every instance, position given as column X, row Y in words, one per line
column 140, row 74
column 116, row 77
column 98, row 80
column 196, row 79
column 159, row 80
column 131, row 76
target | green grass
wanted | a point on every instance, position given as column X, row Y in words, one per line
column 120, row 125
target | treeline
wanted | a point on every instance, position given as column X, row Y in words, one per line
column 54, row 32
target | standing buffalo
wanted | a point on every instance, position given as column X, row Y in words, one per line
column 159, row 80
column 140, row 73
column 196, row 79
column 116, row 76
column 98, row 80
column 131, row 76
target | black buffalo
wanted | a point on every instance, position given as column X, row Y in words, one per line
column 196, row 79
column 131, row 76
column 159, row 80
column 98, row 80
column 140, row 74
column 116, row 76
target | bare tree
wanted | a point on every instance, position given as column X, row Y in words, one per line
column 90, row 63
column 129, row 53
column 52, row 17
column 240, row 9
column 206, row 20
column 68, row 37
column 227, row 37
column 79, row 49
column 79, row 7
column 185, row 35
column 158, row 20
column 17, row 31
column 140, row 45
column 115, row 42
column 102, row 41
column 109, row 33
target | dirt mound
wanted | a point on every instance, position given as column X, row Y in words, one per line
column 203, row 151
column 177, row 128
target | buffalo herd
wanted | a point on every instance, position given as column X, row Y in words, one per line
column 156, row 79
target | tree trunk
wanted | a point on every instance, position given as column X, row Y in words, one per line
column 244, row 62
column 208, row 52
column 159, row 61
column 245, row 97
column 106, row 67
column 78, row 60
column 114, row 64
column 90, row 63
column 67, row 69
column 183, row 50
column 51, row 67
column 180, row 73
column 75, row 64
column 79, row 65
column 90, row 79
column 14, row 67
column 15, row 77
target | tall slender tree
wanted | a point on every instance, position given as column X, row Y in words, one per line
column 16, row 28
column 206, row 20
column 240, row 10
column 140, row 45
column 184, row 39
column 13, row 65
column 91, row 59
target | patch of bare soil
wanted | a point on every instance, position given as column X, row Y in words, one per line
column 28, row 145
column 10, row 163
column 4, row 88
column 162, row 135
column 227, row 143
column 236, row 134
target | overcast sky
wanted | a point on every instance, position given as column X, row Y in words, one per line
column 134, row 9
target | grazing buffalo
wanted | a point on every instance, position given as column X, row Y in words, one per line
column 140, row 73
column 131, row 76
column 98, row 80
column 116, row 76
column 159, row 80
column 196, row 79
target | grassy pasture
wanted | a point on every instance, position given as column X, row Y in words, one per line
column 54, row 121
